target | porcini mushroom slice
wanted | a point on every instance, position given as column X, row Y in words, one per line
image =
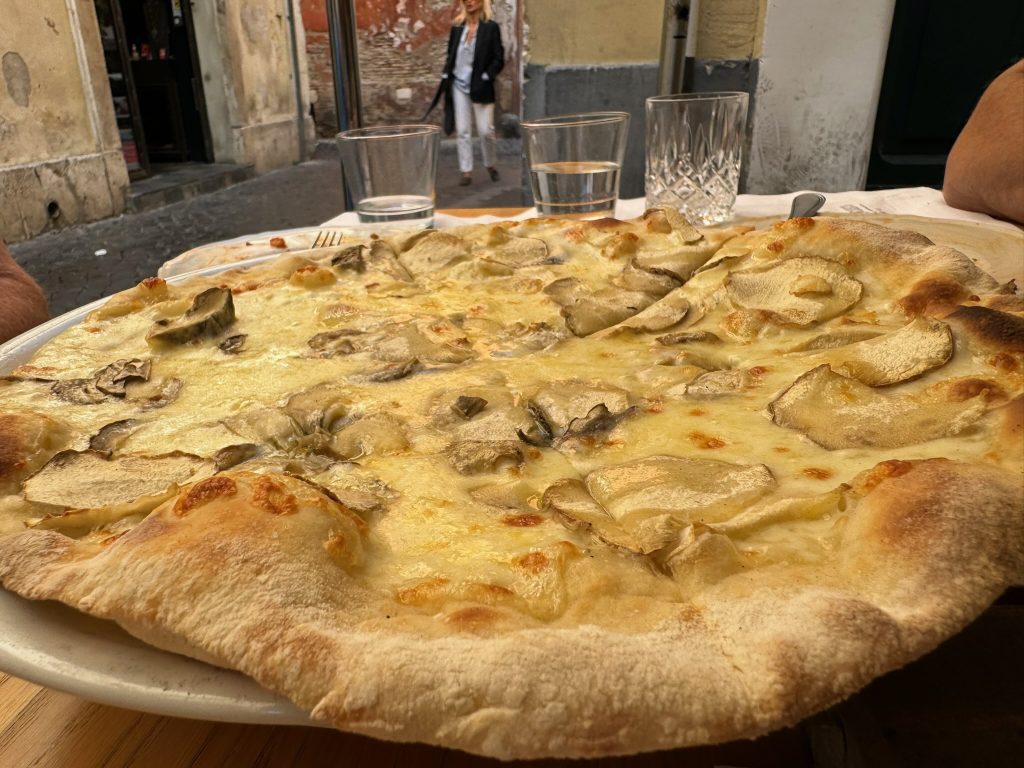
column 112, row 379
column 432, row 252
column 517, row 252
column 680, row 263
column 473, row 456
column 112, row 436
column 677, row 223
column 88, row 479
column 211, row 312
column 233, row 345
column 689, row 337
column 836, row 412
column 319, row 407
column 917, row 347
column 156, row 394
column 604, row 308
column 565, row 401
column 837, row 337
column 659, row 316
column 690, row 490
column 797, row 291
column 395, row 372
column 438, row 343
column 380, row 434
column 634, row 278
column 467, row 406
column 598, row 422
column 569, row 502
column 271, row 426
column 344, row 341
column 566, row 291
column 232, row 455
column 78, row 391
column 715, row 384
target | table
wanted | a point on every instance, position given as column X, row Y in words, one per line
column 960, row 705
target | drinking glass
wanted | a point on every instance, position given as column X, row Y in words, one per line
column 694, row 144
column 390, row 172
column 575, row 162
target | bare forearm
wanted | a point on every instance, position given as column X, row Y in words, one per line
column 985, row 169
column 22, row 304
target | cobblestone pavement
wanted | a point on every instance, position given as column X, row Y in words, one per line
column 73, row 270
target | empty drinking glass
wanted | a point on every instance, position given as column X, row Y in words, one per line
column 694, row 144
column 390, row 172
column 575, row 162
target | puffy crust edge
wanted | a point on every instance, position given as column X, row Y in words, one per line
column 740, row 661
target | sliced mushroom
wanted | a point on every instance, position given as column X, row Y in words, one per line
column 598, row 422
column 271, row 426
column 395, row 372
column 905, row 354
column 837, row 337
column 520, row 339
column 78, row 391
column 88, row 479
column 232, row 455
column 344, row 341
column 156, row 394
column 350, row 258
column 381, row 258
column 566, row 291
column 112, row 379
column 466, row 407
column 658, row 218
column 432, row 251
column 689, row 337
column 659, row 316
column 233, row 345
column 797, row 291
column 703, row 556
column 565, row 401
column 716, row 384
column 604, row 308
column 570, row 504
column 112, row 436
column 690, row 490
column 634, row 278
column 836, row 412
column 380, row 434
column 324, row 407
column 437, row 342
column 518, row 252
column 473, row 456
column 211, row 312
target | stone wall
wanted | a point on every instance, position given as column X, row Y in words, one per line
column 60, row 155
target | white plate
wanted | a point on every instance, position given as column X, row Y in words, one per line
column 50, row 644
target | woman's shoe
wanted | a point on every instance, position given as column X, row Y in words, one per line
column 493, row 174
column 466, row 180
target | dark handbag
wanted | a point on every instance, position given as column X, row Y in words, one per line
column 444, row 88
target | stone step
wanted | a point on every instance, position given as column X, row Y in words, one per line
column 178, row 182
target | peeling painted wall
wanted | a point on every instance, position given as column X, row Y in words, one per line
column 60, row 156
column 246, row 59
column 817, row 94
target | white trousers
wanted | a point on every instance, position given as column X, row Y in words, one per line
column 465, row 112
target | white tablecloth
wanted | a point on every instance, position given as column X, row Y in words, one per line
column 916, row 201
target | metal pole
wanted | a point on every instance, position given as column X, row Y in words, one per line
column 678, row 46
column 341, row 28
column 300, row 115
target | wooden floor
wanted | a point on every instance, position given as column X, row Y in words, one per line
column 963, row 705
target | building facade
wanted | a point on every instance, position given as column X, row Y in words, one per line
column 95, row 93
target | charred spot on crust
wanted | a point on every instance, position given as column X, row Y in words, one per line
column 272, row 497
column 965, row 389
column 936, row 294
column 522, row 521
column 995, row 329
column 203, row 492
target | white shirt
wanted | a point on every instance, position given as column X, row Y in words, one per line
column 464, row 60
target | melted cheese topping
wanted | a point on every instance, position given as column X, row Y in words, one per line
column 475, row 527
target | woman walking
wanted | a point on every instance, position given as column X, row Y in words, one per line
column 475, row 57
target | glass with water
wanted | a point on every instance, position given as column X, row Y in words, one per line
column 390, row 172
column 575, row 163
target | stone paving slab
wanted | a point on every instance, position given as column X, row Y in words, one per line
column 80, row 264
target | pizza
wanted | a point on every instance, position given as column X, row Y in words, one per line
column 538, row 488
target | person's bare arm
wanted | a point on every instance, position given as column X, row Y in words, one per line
column 985, row 169
column 22, row 304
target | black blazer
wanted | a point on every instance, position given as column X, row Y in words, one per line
column 488, row 58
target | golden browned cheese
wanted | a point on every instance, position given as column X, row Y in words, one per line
column 640, row 485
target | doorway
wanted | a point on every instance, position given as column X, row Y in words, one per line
column 155, row 83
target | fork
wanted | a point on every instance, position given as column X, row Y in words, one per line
column 327, row 238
